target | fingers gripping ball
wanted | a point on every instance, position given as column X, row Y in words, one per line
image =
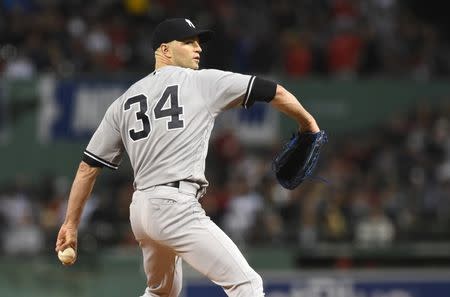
column 67, row 256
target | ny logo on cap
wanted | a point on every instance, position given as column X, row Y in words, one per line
column 189, row 23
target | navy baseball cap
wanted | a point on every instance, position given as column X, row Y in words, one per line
column 177, row 29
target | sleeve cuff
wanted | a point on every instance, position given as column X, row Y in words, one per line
column 96, row 161
column 259, row 89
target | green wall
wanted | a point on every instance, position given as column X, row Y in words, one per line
column 339, row 106
column 351, row 106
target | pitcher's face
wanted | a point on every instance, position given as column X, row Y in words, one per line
column 186, row 53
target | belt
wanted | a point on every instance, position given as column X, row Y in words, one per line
column 186, row 186
column 175, row 184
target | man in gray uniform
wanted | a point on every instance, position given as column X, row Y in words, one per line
column 164, row 122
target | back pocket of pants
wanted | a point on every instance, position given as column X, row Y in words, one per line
column 158, row 203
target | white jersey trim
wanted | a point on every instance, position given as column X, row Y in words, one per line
column 100, row 160
column 249, row 90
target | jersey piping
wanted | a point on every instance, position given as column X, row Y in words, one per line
column 249, row 90
column 100, row 160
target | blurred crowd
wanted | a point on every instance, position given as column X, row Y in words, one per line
column 338, row 38
column 389, row 185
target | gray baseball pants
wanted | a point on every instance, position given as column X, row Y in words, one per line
column 170, row 225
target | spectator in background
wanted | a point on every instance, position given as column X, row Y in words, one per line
column 98, row 45
column 269, row 227
column 335, row 220
column 344, row 52
column 26, row 238
column 370, row 60
column 120, row 51
column 297, row 56
column 227, row 152
column 19, row 67
column 242, row 210
column 376, row 230
column 309, row 233
column 23, row 235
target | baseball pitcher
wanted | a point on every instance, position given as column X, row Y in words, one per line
column 163, row 122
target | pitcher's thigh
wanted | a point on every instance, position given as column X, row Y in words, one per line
column 214, row 254
column 163, row 269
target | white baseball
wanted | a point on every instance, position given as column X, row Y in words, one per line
column 67, row 256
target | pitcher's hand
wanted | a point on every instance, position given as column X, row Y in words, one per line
column 67, row 237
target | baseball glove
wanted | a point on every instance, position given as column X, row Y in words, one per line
column 298, row 158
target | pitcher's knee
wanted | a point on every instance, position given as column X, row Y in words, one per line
column 251, row 287
column 257, row 285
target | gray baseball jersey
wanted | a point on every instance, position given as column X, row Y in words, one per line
column 164, row 122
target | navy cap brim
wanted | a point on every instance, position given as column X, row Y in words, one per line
column 203, row 35
column 178, row 29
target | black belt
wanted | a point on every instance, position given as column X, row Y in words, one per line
column 187, row 186
column 175, row 184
